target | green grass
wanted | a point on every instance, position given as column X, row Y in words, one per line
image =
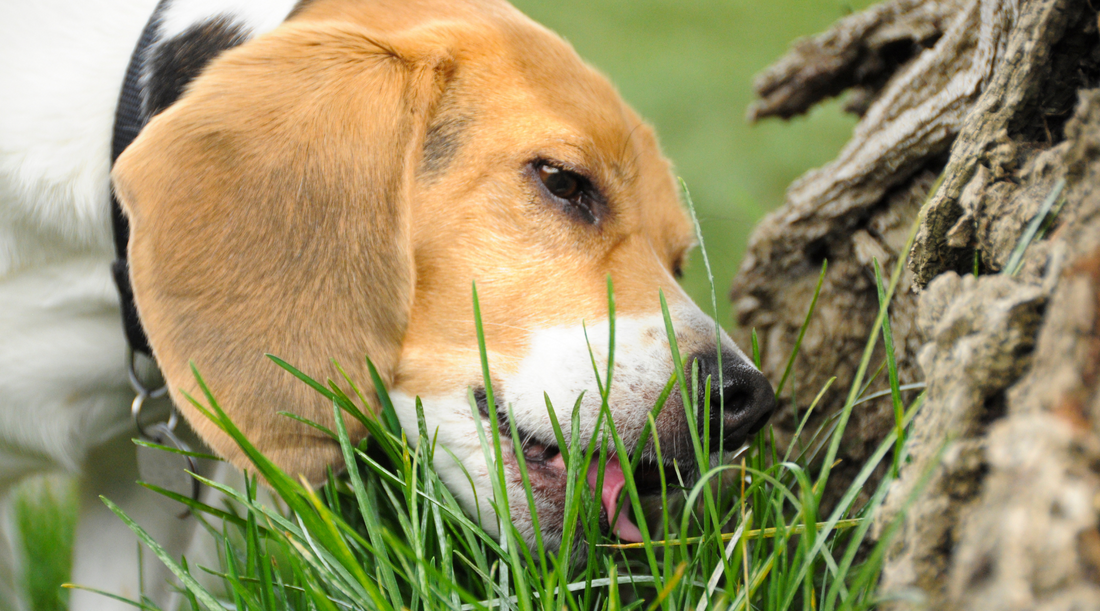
column 389, row 535
column 45, row 512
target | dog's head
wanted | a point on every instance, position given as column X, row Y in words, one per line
column 331, row 190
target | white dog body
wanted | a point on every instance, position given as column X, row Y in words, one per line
column 64, row 395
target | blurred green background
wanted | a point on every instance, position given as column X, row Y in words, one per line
column 687, row 67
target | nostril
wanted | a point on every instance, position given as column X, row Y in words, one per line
column 741, row 406
column 732, row 397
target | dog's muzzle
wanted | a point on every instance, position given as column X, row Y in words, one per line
column 741, row 402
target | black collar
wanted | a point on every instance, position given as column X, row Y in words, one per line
column 129, row 119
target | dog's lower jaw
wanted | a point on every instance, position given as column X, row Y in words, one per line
column 452, row 425
column 464, row 469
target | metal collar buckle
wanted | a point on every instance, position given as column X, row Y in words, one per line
column 154, row 429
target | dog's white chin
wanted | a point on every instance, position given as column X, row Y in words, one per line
column 463, row 466
column 450, row 424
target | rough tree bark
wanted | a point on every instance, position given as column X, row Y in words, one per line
column 997, row 98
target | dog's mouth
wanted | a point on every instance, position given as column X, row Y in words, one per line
column 546, row 466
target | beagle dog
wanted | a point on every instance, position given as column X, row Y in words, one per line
column 323, row 181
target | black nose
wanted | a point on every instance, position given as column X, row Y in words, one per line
column 743, row 406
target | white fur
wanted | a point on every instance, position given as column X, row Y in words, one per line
column 61, row 69
column 450, row 421
column 258, row 16
column 64, row 396
column 558, row 364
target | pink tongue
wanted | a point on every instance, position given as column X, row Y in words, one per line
column 613, row 482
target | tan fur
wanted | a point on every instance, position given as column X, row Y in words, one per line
column 287, row 205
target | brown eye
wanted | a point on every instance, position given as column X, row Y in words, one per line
column 573, row 192
column 560, row 183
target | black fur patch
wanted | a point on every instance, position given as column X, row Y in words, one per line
column 175, row 62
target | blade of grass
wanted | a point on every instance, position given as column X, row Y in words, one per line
column 802, row 330
column 750, row 535
column 806, row 417
column 389, row 414
column 1016, row 259
column 163, row 448
column 713, row 301
column 834, row 445
column 368, row 512
column 521, row 462
column 115, row 597
column 891, row 369
column 189, row 582
column 869, row 573
column 500, row 491
column 838, row 588
column 712, row 583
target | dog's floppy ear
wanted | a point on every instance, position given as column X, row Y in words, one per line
column 269, row 213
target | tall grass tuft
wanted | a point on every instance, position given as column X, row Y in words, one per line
column 744, row 533
column 45, row 509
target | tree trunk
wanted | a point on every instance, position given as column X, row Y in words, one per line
column 996, row 98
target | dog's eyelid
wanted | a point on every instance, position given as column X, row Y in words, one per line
column 680, row 261
column 569, row 184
